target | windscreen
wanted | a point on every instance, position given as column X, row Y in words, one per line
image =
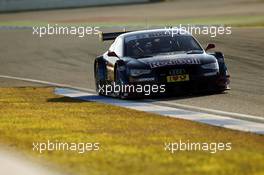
column 145, row 45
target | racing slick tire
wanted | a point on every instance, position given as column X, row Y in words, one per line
column 99, row 77
column 120, row 81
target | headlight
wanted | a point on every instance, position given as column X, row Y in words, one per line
column 211, row 66
column 138, row 72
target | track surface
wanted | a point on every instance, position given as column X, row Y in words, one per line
column 191, row 11
column 69, row 60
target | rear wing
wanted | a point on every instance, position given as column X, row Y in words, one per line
column 110, row 36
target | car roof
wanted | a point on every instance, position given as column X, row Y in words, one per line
column 173, row 31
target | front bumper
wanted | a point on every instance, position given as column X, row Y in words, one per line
column 199, row 79
column 209, row 82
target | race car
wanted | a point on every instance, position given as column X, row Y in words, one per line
column 168, row 60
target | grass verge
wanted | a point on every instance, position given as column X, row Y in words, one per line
column 131, row 142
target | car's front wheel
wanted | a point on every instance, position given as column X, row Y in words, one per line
column 120, row 82
column 99, row 77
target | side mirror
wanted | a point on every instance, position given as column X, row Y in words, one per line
column 210, row 46
column 111, row 54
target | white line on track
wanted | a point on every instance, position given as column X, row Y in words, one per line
column 46, row 83
column 211, row 119
column 162, row 103
column 210, row 111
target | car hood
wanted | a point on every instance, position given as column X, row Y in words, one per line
column 170, row 60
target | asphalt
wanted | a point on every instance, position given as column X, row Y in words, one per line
column 191, row 11
column 69, row 59
column 7, row 83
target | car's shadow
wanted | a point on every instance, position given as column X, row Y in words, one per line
column 175, row 97
column 65, row 100
column 139, row 98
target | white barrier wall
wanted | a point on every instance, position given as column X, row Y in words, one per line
column 21, row 5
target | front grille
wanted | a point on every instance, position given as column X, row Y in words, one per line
column 163, row 72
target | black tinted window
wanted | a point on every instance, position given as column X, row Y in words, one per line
column 141, row 46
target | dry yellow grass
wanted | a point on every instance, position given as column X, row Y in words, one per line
column 131, row 142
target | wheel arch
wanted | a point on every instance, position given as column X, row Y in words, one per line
column 221, row 62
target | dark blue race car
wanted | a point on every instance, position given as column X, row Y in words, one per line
column 169, row 63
